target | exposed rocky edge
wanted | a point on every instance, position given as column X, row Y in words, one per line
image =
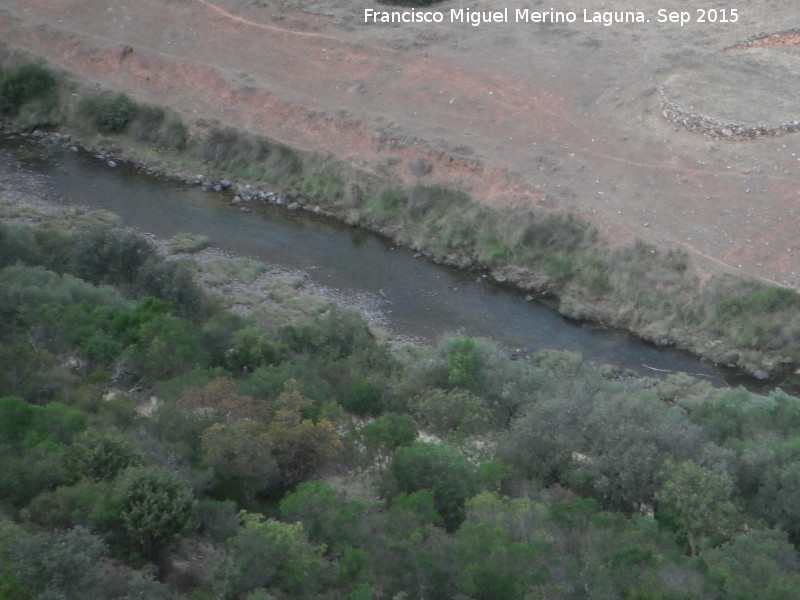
column 245, row 195
column 710, row 99
column 789, row 38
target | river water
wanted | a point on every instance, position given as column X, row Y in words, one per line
column 422, row 299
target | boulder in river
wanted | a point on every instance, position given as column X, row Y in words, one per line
column 761, row 375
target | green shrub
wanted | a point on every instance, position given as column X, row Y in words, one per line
column 21, row 286
column 166, row 347
column 116, row 113
column 556, row 231
column 322, row 186
column 443, row 412
column 153, row 125
column 437, row 201
column 268, row 381
column 172, row 282
column 154, row 508
column 464, row 366
column 251, row 157
column 269, row 554
column 441, row 469
column 16, row 244
column 769, row 300
column 387, row 205
column 26, row 425
column 229, row 149
column 110, row 256
column 774, row 299
column 559, row 266
column 755, row 316
column 338, row 334
column 364, row 398
column 22, row 85
column 387, row 433
column 492, row 250
column 100, row 456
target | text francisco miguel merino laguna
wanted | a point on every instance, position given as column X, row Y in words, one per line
column 520, row 15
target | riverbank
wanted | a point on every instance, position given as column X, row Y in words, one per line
column 243, row 284
column 410, row 117
column 584, row 278
column 659, row 295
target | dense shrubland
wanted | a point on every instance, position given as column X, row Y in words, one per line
column 308, row 460
column 155, row 445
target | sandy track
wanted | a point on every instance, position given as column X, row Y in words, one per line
column 564, row 117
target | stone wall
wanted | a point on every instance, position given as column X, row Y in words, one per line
column 713, row 128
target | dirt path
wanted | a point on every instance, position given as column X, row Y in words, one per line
column 561, row 115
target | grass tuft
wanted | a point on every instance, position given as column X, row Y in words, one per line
column 188, row 243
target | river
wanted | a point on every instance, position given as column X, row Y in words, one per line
column 422, row 299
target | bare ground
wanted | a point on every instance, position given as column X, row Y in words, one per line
column 566, row 116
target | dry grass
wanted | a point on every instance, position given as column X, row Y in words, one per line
column 188, row 243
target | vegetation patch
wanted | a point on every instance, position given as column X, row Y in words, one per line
column 188, row 243
column 282, row 288
column 115, row 113
column 222, row 271
column 153, row 125
column 253, row 158
column 261, row 458
column 758, row 316
column 29, row 95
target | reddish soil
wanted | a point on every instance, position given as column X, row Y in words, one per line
column 790, row 39
column 566, row 116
